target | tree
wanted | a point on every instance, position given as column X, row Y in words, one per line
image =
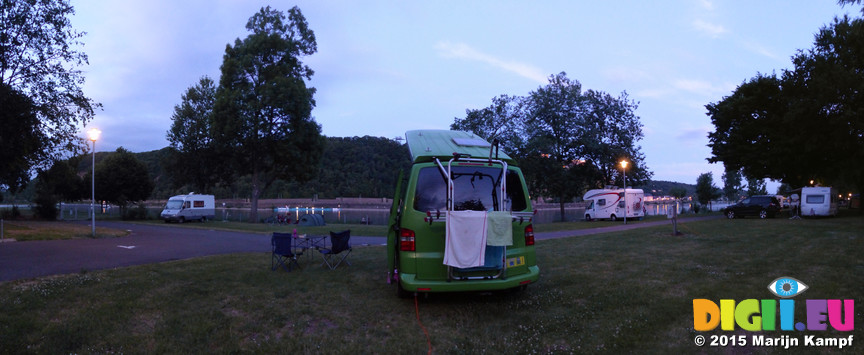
column 732, row 184
column 60, row 182
column 555, row 127
column 192, row 158
column 750, row 130
column 263, row 107
column 614, row 129
column 20, row 138
column 39, row 60
column 828, row 83
column 705, row 189
column 756, row 187
column 502, row 121
column 806, row 125
column 678, row 192
column 567, row 141
column 122, row 179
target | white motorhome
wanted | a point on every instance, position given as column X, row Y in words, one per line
column 818, row 201
column 614, row 203
column 182, row 208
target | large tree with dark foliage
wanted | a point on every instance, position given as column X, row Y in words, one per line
column 192, row 158
column 39, row 61
column 502, row 122
column 121, row 179
column 806, row 125
column 705, row 189
column 262, row 115
column 732, row 185
column 20, row 138
column 565, row 139
column 60, row 182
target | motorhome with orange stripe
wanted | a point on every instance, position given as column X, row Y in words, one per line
column 614, row 203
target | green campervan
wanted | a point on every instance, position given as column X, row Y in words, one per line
column 461, row 218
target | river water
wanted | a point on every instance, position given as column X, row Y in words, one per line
column 376, row 216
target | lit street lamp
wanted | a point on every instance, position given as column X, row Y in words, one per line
column 93, row 133
column 624, row 171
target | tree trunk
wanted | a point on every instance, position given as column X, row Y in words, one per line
column 256, row 191
column 561, row 205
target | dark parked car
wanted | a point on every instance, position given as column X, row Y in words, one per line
column 762, row 206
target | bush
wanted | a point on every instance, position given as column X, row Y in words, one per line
column 13, row 213
column 46, row 207
column 134, row 213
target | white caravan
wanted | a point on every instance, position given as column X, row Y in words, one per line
column 818, row 201
column 182, row 208
column 614, row 204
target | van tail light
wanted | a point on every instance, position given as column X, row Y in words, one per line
column 529, row 235
column 406, row 240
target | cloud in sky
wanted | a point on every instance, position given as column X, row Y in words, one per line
column 708, row 28
column 703, row 87
column 464, row 51
column 707, row 5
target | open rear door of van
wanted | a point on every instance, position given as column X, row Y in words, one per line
column 396, row 209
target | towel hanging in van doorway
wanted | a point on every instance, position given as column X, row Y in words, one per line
column 465, row 244
column 499, row 228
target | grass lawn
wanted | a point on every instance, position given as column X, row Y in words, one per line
column 24, row 230
column 628, row 292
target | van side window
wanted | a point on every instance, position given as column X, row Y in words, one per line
column 199, row 204
column 601, row 202
column 475, row 189
column 620, row 204
column 187, row 204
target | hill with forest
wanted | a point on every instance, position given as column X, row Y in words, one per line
column 349, row 167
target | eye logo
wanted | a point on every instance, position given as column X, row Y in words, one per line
column 787, row 287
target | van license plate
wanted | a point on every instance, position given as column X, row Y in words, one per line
column 517, row 261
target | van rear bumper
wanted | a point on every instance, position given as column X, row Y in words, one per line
column 411, row 284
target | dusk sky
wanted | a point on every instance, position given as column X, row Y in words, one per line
column 385, row 67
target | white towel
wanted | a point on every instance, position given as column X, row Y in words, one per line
column 465, row 245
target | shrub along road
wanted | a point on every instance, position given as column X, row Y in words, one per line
column 147, row 244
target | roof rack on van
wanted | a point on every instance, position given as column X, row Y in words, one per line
column 425, row 145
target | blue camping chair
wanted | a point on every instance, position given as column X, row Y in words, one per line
column 283, row 253
column 339, row 244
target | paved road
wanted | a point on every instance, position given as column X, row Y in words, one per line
column 153, row 243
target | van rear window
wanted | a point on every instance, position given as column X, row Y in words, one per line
column 475, row 188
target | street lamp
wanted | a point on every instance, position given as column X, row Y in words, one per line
column 93, row 133
column 624, row 171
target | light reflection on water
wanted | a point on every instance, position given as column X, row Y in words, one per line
column 544, row 215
